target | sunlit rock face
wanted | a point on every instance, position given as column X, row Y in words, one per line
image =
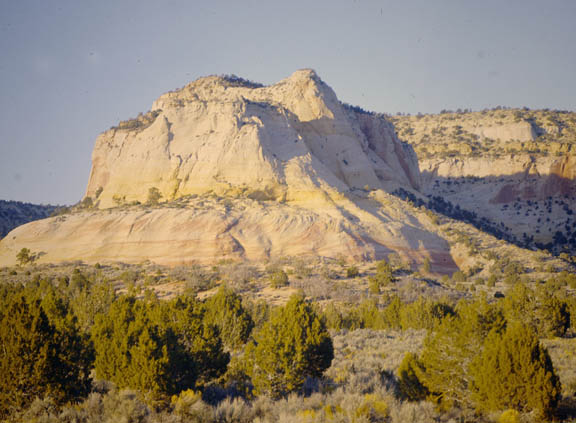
column 292, row 141
column 246, row 172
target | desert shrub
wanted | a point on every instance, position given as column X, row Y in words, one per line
column 352, row 272
column 239, row 276
column 514, row 371
column 154, row 196
column 278, row 279
column 195, row 278
column 293, row 345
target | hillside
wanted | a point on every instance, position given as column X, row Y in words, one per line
column 513, row 168
column 226, row 168
column 16, row 213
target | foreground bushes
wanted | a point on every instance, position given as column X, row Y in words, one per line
column 293, row 345
column 39, row 357
column 158, row 348
column 478, row 360
column 515, row 372
column 169, row 360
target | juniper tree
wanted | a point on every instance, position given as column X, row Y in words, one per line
column 158, row 348
column 449, row 351
column 540, row 308
column 225, row 311
column 130, row 350
column 293, row 345
column 36, row 358
column 514, row 371
column 409, row 379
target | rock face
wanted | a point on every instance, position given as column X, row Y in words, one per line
column 292, row 141
column 248, row 172
column 516, row 168
column 530, row 177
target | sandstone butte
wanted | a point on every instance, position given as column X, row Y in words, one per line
column 245, row 172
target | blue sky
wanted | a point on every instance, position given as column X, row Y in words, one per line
column 70, row 69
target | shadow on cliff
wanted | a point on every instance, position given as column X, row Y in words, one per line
column 552, row 196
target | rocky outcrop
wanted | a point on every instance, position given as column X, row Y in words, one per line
column 520, row 131
column 292, row 141
column 206, row 229
column 530, row 197
column 248, row 172
column 532, row 177
column 515, row 168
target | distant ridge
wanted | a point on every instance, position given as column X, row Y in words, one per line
column 16, row 213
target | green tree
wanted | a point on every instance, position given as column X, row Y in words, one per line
column 540, row 308
column 293, row 345
column 95, row 298
column 426, row 266
column 423, row 314
column 514, row 371
column 552, row 316
column 202, row 353
column 445, row 360
column 409, row 379
column 352, row 272
column 35, row 358
column 87, row 203
column 131, row 350
column 154, row 196
column 225, row 311
column 159, row 348
column 383, row 277
column 25, row 256
column 451, row 348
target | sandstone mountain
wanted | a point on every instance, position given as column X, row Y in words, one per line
column 514, row 168
column 226, row 168
column 292, row 141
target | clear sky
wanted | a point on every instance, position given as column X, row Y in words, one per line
column 70, row 69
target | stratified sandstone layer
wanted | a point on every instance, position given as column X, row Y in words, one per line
column 244, row 172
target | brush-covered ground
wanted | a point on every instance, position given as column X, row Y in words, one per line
column 375, row 313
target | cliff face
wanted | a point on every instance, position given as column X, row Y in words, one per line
column 245, row 172
column 292, row 141
column 516, row 168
